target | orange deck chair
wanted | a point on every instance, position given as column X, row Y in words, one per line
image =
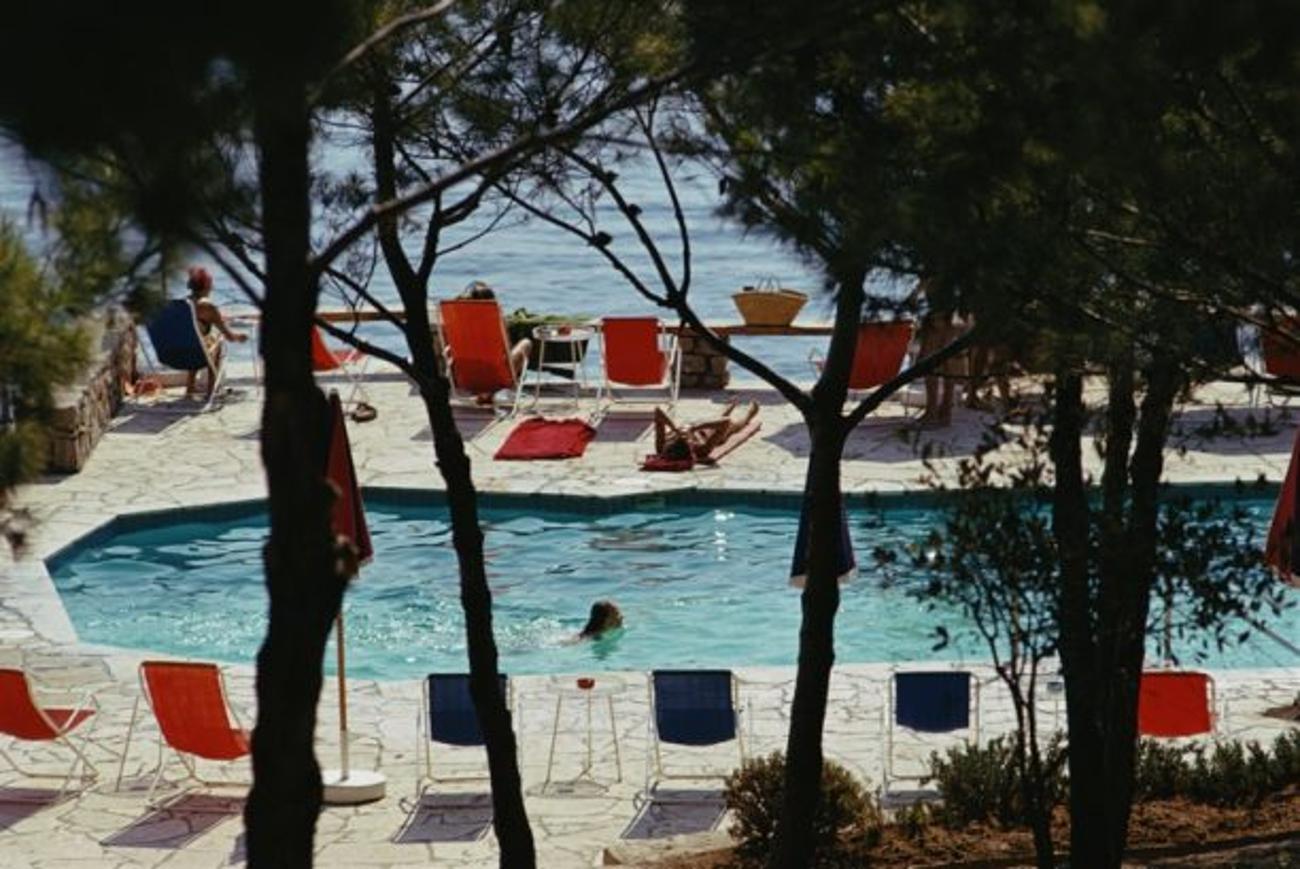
column 1175, row 703
column 1280, row 351
column 194, row 720
column 638, row 353
column 878, row 356
column 22, row 718
column 349, row 362
column 477, row 350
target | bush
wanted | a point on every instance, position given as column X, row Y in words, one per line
column 847, row 822
column 1230, row 774
column 983, row 783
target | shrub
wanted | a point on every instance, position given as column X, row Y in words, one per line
column 847, row 822
column 983, row 783
column 1229, row 774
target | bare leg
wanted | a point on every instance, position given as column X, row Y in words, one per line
column 519, row 356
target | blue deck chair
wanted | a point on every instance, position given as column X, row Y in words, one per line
column 178, row 343
column 447, row 716
column 938, row 701
column 693, row 708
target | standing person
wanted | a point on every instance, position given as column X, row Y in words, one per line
column 209, row 317
column 939, row 328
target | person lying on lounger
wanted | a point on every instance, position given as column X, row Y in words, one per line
column 698, row 440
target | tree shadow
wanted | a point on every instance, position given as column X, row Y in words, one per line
column 625, row 429
column 177, row 823
column 892, row 439
column 456, row 817
column 17, row 804
column 147, row 421
column 676, row 812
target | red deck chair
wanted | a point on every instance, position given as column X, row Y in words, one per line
column 21, row 718
column 477, row 349
column 194, row 720
column 1282, row 353
column 878, row 356
column 1175, row 703
column 638, row 353
column 349, row 362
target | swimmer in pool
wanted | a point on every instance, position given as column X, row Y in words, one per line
column 605, row 617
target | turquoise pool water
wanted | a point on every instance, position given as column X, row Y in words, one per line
column 698, row 584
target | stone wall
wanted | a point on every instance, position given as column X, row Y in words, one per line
column 702, row 366
column 83, row 409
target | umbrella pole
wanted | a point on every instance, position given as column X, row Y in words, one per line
column 343, row 697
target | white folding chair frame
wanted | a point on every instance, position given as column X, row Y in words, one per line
column 668, row 343
column 888, row 724
column 63, row 736
column 655, row 771
column 190, row 764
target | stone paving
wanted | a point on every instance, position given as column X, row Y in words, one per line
column 158, row 459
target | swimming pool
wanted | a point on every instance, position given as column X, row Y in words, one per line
column 700, row 581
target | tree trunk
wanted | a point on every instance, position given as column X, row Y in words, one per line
column 303, row 583
column 1070, row 527
column 820, row 601
column 509, row 818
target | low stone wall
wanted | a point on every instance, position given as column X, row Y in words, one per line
column 83, row 409
column 703, row 367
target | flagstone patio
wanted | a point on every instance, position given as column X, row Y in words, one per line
column 154, row 459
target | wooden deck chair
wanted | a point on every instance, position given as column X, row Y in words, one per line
column 638, row 353
column 477, row 351
column 21, row 718
column 690, row 709
column 349, row 362
column 195, row 721
column 1175, row 703
column 936, row 701
column 178, row 343
column 447, row 716
column 877, row 357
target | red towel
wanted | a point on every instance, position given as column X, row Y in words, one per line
column 655, row 462
column 538, row 438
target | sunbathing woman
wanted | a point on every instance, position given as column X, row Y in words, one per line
column 700, row 439
column 209, row 317
column 518, row 354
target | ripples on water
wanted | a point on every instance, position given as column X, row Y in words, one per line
column 698, row 587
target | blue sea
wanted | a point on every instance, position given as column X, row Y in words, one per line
column 536, row 266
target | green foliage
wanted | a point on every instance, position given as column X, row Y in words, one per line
column 1225, row 774
column 983, row 783
column 846, row 826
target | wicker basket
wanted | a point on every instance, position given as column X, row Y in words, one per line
column 769, row 307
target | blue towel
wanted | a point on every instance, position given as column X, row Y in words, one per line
column 452, row 717
column 693, row 707
column 175, row 337
column 932, row 702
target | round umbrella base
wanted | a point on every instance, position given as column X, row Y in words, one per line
column 361, row 786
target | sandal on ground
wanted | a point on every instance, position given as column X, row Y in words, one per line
column 364, row 412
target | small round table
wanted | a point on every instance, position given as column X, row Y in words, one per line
column 563, row 346
column 569, row 690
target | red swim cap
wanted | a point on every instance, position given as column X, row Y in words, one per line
column 199, row 279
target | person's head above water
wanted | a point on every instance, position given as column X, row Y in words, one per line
column 605, row 616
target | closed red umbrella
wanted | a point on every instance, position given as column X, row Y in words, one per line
column 1282, row 551
column 348, row 521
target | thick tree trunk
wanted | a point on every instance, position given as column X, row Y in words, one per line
column 1103, row 634
column 302, row 579
column 509, row 818
column 820, row 601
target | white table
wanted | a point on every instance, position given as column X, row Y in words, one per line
column 602, row 687
column 563, row 346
